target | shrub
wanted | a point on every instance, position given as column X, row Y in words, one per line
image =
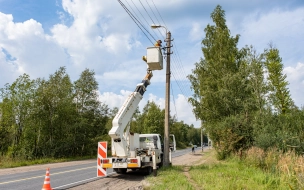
column 255, row 157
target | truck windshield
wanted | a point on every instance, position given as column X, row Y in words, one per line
column 146, row 139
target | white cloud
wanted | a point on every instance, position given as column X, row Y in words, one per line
column 295, row 74
column 197, row 32
column 100, row 35
column 179, row 107
column 33, row 52
column 295, row 77
column 281, row 27
column 97, row 38
column 184, row 111
column 114, row 100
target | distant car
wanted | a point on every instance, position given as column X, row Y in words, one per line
column 195, row 146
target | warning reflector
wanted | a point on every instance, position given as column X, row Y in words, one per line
column 102, row 153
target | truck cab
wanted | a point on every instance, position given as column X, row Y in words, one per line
column 152, row 141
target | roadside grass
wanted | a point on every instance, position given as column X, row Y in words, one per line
column 234, row 175
column 169, row 178
column 213, row 174
column 288, row 165
column 6, row 162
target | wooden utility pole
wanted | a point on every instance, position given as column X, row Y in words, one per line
column 167, row 106
column 202, row 136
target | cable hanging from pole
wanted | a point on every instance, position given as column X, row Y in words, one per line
column 174, row 101
column 177, row 66
column 155, row 17
column 140, row 14
column 137, row 22
column 176, row 60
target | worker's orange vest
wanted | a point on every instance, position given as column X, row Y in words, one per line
column 156, row 45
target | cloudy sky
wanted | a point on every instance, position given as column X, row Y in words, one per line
column 38, row 37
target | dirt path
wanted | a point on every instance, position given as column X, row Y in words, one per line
column 189, row 160
column 131, row 181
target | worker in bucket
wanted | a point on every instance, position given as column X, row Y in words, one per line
column 158, row 43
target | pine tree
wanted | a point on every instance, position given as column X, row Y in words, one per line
column 279, row 96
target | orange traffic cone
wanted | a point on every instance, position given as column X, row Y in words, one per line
column 47, row 184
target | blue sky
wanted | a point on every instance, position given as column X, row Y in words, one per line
column 38, row 37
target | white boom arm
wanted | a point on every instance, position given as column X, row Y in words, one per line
column 123, row 117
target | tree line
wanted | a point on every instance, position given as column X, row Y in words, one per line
column 242, row 96
column 58, row 118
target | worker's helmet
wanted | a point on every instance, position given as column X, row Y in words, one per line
column 159, row 41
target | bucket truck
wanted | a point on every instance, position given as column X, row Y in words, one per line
column 132, row 150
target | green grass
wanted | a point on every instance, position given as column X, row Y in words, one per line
column 214, row 175
column 12, row 163
column 234, row 175
column 169, row 178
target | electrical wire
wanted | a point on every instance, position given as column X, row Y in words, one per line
column 136, row 21
column 178, row 72
column 155, row 17
column 174, row 102
column 181, row 90
column 181, row 81
column 176, row 58
column 159, row 13
column 140, row 14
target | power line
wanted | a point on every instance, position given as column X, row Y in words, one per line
column 177, row 57
column 181, row 90
column 155, row 17
column 136, row 21
column 180, row 79
column 152, row 11
column 159, row 13
column 174, row 101
column 180, row 76
column 178, row 71
column 140, row 14
column 149, row 16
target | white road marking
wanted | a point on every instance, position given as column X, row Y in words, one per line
column 83, row 181
column 44, row 175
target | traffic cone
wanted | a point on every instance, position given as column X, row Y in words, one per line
column 47, row 184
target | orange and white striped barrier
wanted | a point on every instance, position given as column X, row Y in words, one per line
column 47, row 183
column 102, row 153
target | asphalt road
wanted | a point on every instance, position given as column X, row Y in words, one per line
column 61, row 178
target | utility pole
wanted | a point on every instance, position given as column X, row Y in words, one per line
column 202, row 136
column 167, row 106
